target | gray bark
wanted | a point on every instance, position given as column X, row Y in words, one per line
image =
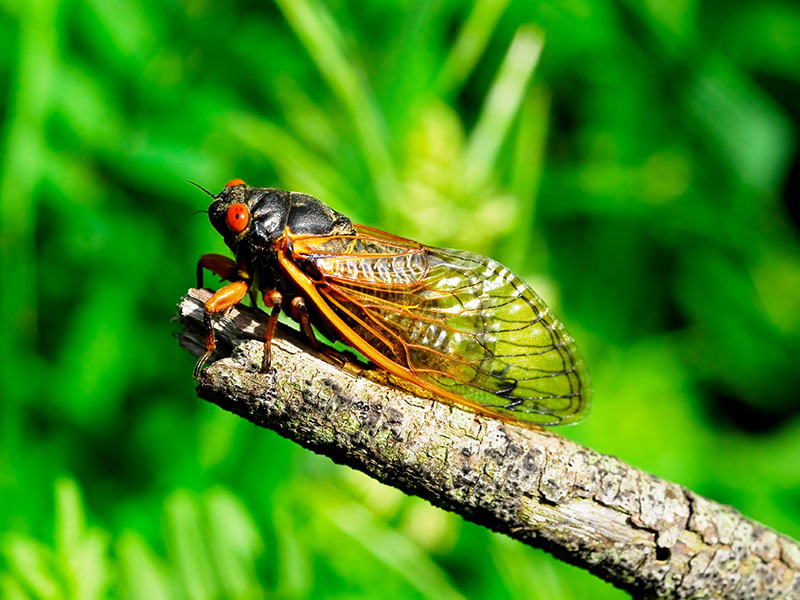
column 651, row 537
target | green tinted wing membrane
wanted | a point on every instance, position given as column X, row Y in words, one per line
column 459, row 320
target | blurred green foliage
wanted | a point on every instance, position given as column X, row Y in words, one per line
column 636, row 161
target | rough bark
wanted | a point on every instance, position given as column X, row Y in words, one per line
column 651, row 537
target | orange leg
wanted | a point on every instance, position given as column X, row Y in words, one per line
column 300, row 314
column 222, row 300
column 272, row 299
column 216, row 263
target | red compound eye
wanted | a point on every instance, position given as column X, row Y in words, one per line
column 234, row 182
column 237, row 217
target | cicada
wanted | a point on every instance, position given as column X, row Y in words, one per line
column 455, row 323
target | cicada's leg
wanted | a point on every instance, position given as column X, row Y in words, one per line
column 222, row 300
column 300, row 314
column 272, row 299
column 216, row 263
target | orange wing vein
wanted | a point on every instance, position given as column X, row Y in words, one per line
column 456, row 323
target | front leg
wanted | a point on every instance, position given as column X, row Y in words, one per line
column 222, row 300
column 218, row 264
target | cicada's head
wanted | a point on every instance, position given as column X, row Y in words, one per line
column 253, row 218
column 249, row 216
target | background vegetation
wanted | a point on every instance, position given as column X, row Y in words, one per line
column 636, row 161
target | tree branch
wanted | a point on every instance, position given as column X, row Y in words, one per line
column 648, row 536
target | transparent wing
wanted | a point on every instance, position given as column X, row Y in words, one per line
column 456, row 319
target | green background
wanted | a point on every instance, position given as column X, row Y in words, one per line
column 641, row 172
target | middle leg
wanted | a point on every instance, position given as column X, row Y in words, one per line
column 300, row 314
column 272, row 299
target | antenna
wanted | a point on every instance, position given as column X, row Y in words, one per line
column 197, row 185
